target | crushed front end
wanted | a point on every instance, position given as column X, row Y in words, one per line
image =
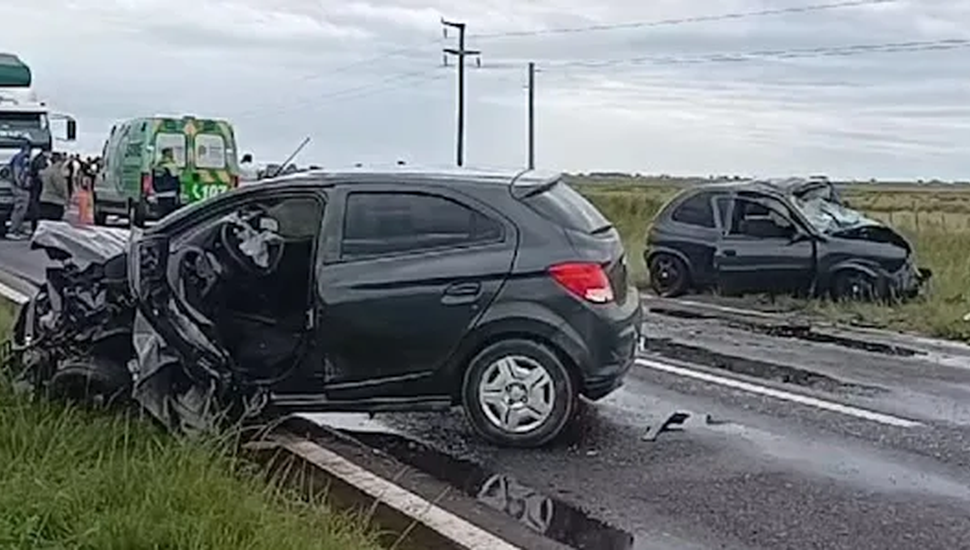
column 74, row 335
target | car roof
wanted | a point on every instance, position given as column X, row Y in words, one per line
column 423, row 174
column 392, row 175
column 773, row 186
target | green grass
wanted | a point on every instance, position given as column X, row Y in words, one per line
column 76, row 479
column 937, row 220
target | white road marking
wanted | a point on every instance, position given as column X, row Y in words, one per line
column 13, row 295
column 465, row 533
column 780, row 394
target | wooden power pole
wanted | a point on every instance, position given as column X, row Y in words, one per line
column 532, row 115
column 461, row 53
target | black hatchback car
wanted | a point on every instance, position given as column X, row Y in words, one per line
column 778, row 236
column 391, row 290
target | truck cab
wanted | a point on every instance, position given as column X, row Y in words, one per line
column 24, row 118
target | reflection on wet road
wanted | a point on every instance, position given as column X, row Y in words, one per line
column 546, row 515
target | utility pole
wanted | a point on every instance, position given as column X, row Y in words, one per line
column 532, row 115
column 461, row 53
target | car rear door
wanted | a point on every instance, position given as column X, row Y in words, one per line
column 410, row 271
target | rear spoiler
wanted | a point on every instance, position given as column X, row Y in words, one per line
column 535, row 190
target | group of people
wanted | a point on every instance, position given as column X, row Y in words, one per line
column 44, row 183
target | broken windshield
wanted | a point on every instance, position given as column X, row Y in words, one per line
column 821, row 206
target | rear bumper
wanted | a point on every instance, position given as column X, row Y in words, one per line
column 157, row 207
column 598, row 387
column 611, row 342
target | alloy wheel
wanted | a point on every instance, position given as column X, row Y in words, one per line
column 517, row 394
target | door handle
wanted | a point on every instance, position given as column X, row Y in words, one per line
column 729, row 253
column 463, row 289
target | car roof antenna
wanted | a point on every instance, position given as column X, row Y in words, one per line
column 291, row 157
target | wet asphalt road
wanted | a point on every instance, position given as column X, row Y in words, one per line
column 788, row 443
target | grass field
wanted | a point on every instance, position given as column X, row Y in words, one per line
column 70, row 479
column 937, row 220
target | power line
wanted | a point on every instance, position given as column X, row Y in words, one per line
column 413, row 79
column 379, row 57
column 391, row 83
column 793, row 53
column 682, row 20
column 380, row 83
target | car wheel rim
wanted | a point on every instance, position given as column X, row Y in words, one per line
column 859, row 289
column 517, row 394
column 667, row 273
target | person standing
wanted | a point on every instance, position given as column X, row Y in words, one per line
column 20, row 170
column 37, row 165
column 55, row 193
column 71, row 171
column 248, row 172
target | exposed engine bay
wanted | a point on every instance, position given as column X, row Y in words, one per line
column 88, row 335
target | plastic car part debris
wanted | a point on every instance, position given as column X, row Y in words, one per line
column 674, row 419
column 677, row 421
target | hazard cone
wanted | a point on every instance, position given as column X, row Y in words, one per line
column 85, row 207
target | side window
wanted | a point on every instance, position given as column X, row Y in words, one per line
column 294, row 218
column 723, row 210
column 762, row 219
column 299, row 217
column 393, row 223
column 696, row 211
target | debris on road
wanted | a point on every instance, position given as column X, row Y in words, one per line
column 674, row 419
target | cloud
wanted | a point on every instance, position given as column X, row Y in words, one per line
column 364, row 79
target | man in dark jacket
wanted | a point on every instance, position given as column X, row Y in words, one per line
column 20, row 170
column 37, row 165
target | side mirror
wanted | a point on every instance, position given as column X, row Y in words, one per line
column 71, row 129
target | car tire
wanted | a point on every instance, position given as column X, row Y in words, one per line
column 669, row 276
column 92, row 382
column 136, row 214
column 3, row 225
column 854, row 285
column 100, row 217
column 497, row 399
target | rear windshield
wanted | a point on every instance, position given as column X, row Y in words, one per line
column 169, row 140
column 563, row 205
column 210, row 151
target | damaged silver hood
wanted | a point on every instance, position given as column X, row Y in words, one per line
column 83, row 245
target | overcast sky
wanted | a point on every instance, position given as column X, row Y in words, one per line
column 364, row 79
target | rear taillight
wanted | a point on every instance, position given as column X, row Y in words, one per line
column 146, row 184
column 584, row 279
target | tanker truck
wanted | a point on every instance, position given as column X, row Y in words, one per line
column 24, row 119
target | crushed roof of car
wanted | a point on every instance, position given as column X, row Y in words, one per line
column 397, row 173
column 780, row 185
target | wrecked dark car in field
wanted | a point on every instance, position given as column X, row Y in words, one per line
column 361, row 291
column 787, row 236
